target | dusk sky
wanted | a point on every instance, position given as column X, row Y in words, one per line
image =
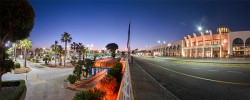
column 102, row 22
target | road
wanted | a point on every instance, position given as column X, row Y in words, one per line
column 199, row 81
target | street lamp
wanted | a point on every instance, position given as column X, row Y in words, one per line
column 207, row 31
column 161, row 46
column 199, row 28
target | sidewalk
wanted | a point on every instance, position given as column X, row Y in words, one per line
column 212, row 60
column 145, row 87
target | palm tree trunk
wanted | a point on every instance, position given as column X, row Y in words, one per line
column 25, row 57
column 83, row 57
column 79, row 56
column 65, row 52
column 55, row 59
column 0, row 81
column 15, row 54
column 60, row 63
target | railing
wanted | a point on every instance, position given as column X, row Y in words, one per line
column 125, row 91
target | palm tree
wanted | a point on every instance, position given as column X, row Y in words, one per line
column 73, row 46
column 95, row 55
column 112, row 48
column 59, row 51
column 37, row 51
column 15, row 45
column 25, row 44
column 79, row 48
column 66, row 38
column 54, row 47
column 83, row 51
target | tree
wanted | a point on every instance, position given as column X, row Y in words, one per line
column 73, row 46
column 54, row 47
column 112, row 48
column 15, row 45
column 59, row 52
column 66, row 38
column 87, row 63
column 10, row 51
column 79, row 48
column 38, row 51
column 83, row 51
column 17, row 20
column 46, row 59
column 95, row 55
column 26, row 45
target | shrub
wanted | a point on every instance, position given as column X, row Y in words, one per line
column 8, row 65
column 95, row 94
column 116, row 72
column 17, row 65
column 33, row 60
column 37, row 61
column 72, row 79
column 15, row 95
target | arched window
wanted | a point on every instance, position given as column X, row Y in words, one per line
column 247, row 47
column 238, row 47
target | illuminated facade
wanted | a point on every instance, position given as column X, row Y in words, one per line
column 221, row 44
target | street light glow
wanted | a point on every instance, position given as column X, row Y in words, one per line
column 207, row 31
column 159, row 41
column 199, row 28
column 164, row 42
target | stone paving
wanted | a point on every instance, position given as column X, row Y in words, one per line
column 44, row 83
column 145, row 87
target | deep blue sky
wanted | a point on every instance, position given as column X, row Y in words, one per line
column 102, row 22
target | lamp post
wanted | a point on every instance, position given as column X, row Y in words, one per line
column 161, row 46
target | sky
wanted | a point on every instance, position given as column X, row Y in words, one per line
column 100, row 22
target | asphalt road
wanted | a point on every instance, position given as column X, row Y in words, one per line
column 199, row 81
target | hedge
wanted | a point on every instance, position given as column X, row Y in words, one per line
column 16, row 95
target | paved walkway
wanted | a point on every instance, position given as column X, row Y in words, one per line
column 49, row 84
column 145, row 87
column 212, row 60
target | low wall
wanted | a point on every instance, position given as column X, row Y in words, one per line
column 125, row 91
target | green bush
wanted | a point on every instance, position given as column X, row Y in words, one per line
column 72, row 79
column 95, row 94
column 37, row 61
column 33, row 60
column 116, row 71
column 15, row 95
column 17, row 65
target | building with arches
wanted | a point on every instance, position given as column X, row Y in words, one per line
column 223, row 43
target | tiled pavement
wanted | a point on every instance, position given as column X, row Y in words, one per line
column 146, row 88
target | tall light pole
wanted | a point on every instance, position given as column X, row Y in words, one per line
column 161, row 46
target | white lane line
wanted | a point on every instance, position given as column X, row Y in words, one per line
column 234, row 72
column 173, row 96
column 182, row 66
column 196, row 68
column 213, row 70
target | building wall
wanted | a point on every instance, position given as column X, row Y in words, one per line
column 205, row 45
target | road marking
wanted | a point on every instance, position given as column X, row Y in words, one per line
column 212, row 80
column 213, row 70
column 196, row 68
column 182, row 66
column 234, row 72
column 174, row 97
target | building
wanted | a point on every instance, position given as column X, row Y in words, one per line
column 223, row 43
